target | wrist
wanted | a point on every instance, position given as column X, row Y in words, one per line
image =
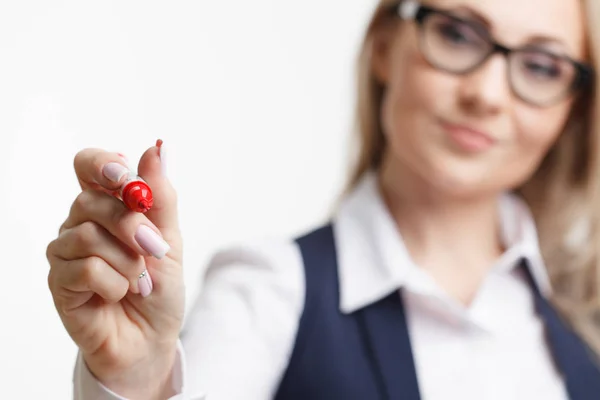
column 149, row 378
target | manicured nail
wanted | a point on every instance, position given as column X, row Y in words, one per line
column 127, row 162
column 145, row 284
column 151, row 241
column 163, row 156
column 114, row 171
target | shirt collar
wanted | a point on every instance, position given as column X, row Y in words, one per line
column 373, row 260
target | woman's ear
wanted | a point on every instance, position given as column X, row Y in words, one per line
column 381, row 51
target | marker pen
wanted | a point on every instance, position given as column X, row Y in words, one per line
column 135, row 193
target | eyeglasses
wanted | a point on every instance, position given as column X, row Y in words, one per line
column 458, row 45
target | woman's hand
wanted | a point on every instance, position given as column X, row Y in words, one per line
column 116, row 276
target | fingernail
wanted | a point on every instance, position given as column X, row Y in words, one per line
column 127, row 162
column 145, row 284
column 114, row 171
column 151, row 241
column 163, row 156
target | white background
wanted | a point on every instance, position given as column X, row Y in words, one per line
column 253, row 99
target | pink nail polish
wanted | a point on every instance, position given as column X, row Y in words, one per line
column 127, row 162
column 145, row 284
column 151, row 241
column 114, row 171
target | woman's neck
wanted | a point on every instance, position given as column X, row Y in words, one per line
column 456, row 240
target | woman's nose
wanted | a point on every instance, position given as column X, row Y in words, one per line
column 487, row 88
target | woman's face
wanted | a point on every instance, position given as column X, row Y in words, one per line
column 471, row 133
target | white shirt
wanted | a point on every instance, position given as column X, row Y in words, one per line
column 241, row 330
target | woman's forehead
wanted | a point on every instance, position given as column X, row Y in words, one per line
column 516, row 21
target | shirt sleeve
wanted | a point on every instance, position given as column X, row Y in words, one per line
column 87, row 387
column 240, row 331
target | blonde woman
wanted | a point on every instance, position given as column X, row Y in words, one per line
column 462, row 263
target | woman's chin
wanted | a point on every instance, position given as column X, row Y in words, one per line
column 466, row 182
column 442, row 176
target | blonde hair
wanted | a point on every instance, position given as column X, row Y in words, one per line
column 563, row 194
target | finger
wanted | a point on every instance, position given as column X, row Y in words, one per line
column 75, row 281
column 164, row 213
column 131, row 228
column 90, row 239
column 96, row 168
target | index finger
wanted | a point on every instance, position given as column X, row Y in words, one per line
column 100, row 169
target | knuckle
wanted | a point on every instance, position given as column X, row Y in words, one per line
column 50, row 279
column 83, row 201
column 119, row 291
column 92, row 267
column 62, row 228
column 54, row 275
column 123, row 221
column 87, row 234
column 55, row 251
column 50, row 251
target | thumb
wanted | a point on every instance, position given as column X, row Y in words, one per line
column 163, row 213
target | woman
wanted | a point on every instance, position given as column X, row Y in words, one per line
column 472, row 218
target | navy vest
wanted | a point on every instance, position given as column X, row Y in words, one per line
column 367, row 354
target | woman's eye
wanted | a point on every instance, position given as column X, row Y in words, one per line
column 543, row 67
column 457, row 33
column 549, row 71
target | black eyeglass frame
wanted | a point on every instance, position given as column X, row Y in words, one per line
column 410, row 9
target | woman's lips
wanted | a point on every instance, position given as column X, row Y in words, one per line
column 467, row 138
